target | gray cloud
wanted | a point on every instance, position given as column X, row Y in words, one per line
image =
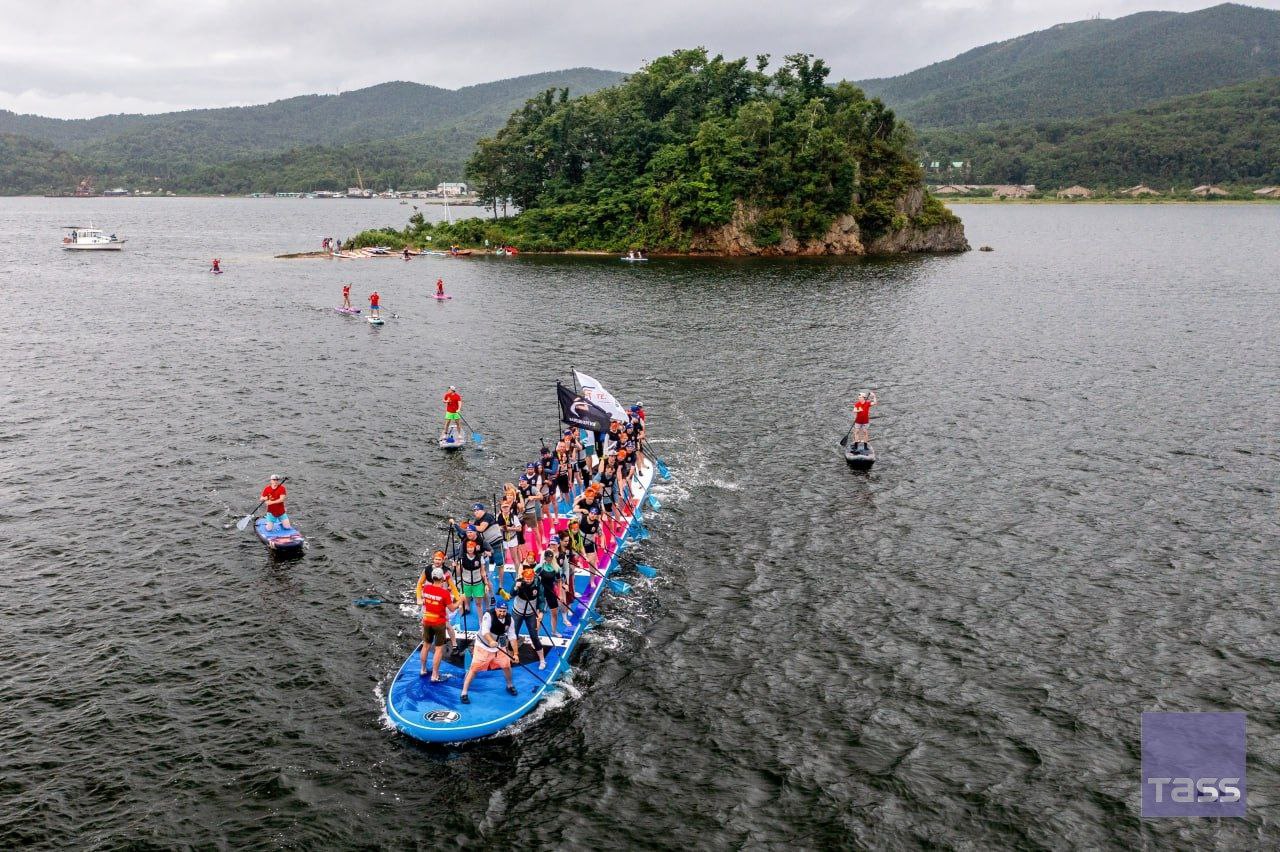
column 151, row 56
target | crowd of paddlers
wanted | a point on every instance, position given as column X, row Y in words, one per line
column 566, row 512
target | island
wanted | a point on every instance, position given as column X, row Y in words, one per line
column 699, row 155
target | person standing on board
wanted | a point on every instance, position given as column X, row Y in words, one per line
column 373, row 304
column 548, row 571
column 589, row 526
column 437, row 602
column 473, row 571
column 862, row 417
column 439, row 288
column 346, row 295
column 526, row 607
column 438, row 561
column 217, row 265
column 274, row 495
column 497, row 633
column 490, row 533
column 406, row 252
column 452, row 412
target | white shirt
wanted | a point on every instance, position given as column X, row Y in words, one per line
column 486, row 626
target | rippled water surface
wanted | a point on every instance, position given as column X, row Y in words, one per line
column 1073, row 520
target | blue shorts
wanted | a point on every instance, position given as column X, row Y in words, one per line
column 273, row 520
column 374, row 307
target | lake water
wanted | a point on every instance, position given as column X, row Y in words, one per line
column 1073, row 520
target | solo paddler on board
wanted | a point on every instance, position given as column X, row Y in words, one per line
column 862, row 418
column 274, row 494
column 452, row 412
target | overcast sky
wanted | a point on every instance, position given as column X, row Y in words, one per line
column 75, row 60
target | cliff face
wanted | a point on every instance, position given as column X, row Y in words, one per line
column 844, row 237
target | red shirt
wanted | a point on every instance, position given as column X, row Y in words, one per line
column 346, row 290
column 373, row 300
column 275, row 499
column 440, row 286
column 452, row 402
column 435, row 603
column 862, row 412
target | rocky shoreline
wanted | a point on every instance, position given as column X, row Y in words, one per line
column 844, row 237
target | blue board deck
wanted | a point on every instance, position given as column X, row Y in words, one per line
column 280, row 541
column 433, row 712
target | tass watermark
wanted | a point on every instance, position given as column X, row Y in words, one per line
column 1193, row 764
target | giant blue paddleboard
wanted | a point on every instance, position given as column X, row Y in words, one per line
column 280, row 541
column 433, row 712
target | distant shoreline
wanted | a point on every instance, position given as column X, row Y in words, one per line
column 432, row 202
column 949, row 200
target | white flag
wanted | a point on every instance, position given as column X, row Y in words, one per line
column 595, row 392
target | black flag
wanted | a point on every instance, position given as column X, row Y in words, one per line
column 580, row 412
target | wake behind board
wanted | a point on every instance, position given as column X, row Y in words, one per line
column 376, row 321
column 280, row 541
column 434, row 712
column 861, row 458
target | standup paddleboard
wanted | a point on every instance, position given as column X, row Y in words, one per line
column 434, row 712
column 452, row 442
column 375, row 321
column 348, row 311
column 861, row 458
column 280, row 541
column 441, row 298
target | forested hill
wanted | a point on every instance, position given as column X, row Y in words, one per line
column 1090, row 68
column 695, row 153
column 394, row 132
column 1229, row 135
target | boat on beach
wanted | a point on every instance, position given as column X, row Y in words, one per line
column 82, row 238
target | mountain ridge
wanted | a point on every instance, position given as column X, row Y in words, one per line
column 1088, row 68
column 165, row 149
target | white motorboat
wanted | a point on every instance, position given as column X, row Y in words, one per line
column 80, row 238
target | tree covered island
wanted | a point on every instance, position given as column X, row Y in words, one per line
column 702, row 155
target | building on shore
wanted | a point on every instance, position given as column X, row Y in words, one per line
column 951, row 189
column 1076, row 191
column 1208, row 190
column 1268, row 192
column 451, row 189
column 1138, row 191
column 1012, row 191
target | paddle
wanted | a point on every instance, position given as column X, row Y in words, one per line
column 516, row 660
column 844, row 442
column 244, row 522
column 647, row 570
column 662, row 466
column 475, row 436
